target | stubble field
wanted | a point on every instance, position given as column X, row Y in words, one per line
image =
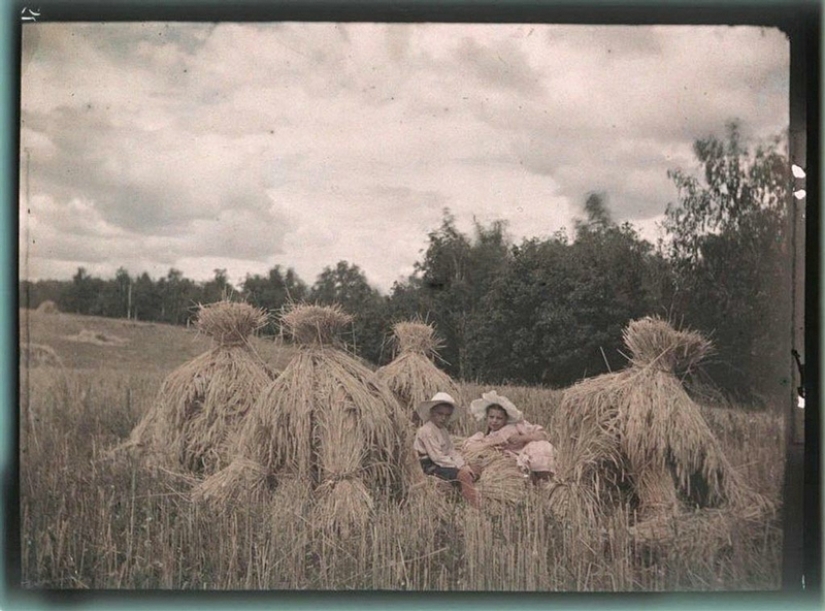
column 90, row 521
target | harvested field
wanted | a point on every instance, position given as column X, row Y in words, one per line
column 91, row 522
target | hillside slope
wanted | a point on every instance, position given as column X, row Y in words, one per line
column 90, row 342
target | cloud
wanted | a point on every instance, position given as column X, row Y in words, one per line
column 189, row 145
column 502, row 66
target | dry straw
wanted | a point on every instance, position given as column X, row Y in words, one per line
column 39, row 355
column 413, row 378
column 324, row 421
column 640, row 427
column 412, row 375
column 502, row 485
column 202, row 403
column 435, row 496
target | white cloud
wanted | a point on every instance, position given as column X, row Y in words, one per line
column 303, row 144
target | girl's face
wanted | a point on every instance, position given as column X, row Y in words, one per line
column 496, row 417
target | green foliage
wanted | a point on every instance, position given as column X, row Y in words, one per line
column 731, row 255
column 218, row 288
column 451, row 282
column 179, row 296
column 81, row 295
column 557, row 313
column 274, row 291
column 347, row 286
column 545, row 311
column 598, row 214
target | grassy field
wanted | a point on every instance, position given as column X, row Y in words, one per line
column 88, row 521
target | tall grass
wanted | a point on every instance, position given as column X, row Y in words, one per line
column 89, row 521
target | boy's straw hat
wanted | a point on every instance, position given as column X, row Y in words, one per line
column 439, row 398
column 478, row 408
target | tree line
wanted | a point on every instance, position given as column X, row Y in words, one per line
column 548, row 311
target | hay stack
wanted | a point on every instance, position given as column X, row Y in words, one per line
column 641, row 424
column 325, row 422
column 413, row 378
column 202, row 403
column 48, row 307
column 412, row 375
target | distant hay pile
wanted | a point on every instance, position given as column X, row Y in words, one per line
column 202, row 403
column 414, row 378
column 48, row 307
column 639, row 427
column 324, row 421
column 98, row 338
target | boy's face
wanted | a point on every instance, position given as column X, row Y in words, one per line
column 440, row 414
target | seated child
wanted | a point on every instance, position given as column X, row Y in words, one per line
column 435, row 449
column 508, row 431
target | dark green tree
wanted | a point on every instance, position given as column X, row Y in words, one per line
column 557, row 313
column 453, row 278
column 731, row 255
column 274, row 291
column 147, row 301
column 81, row 296
column 179, row 298
column 506, row 343
column 32, row 294
column 217, row 288
column 347, row 286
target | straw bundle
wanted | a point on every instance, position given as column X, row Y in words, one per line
column 413, row 378
column 654, row 342
column 241, row 479
column 502, row 484
column 711, row 525
column 311, row 325
column 435, row 496
column 412, row 375
column 202, row 403
column 589, row 463
column 641, row 423
column 343, row 502
column 324, row 422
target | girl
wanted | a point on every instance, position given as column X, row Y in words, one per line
column 507, row 430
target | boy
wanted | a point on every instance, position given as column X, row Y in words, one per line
column 435, row 449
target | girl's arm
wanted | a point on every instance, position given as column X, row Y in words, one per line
column 502, row 436
column 529, row 432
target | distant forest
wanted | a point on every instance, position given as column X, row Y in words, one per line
column 548, row 311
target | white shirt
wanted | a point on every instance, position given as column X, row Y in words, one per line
column 436, row 443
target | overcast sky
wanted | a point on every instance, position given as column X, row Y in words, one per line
column 244, row 146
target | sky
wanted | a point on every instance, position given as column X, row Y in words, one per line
column 242, row 146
